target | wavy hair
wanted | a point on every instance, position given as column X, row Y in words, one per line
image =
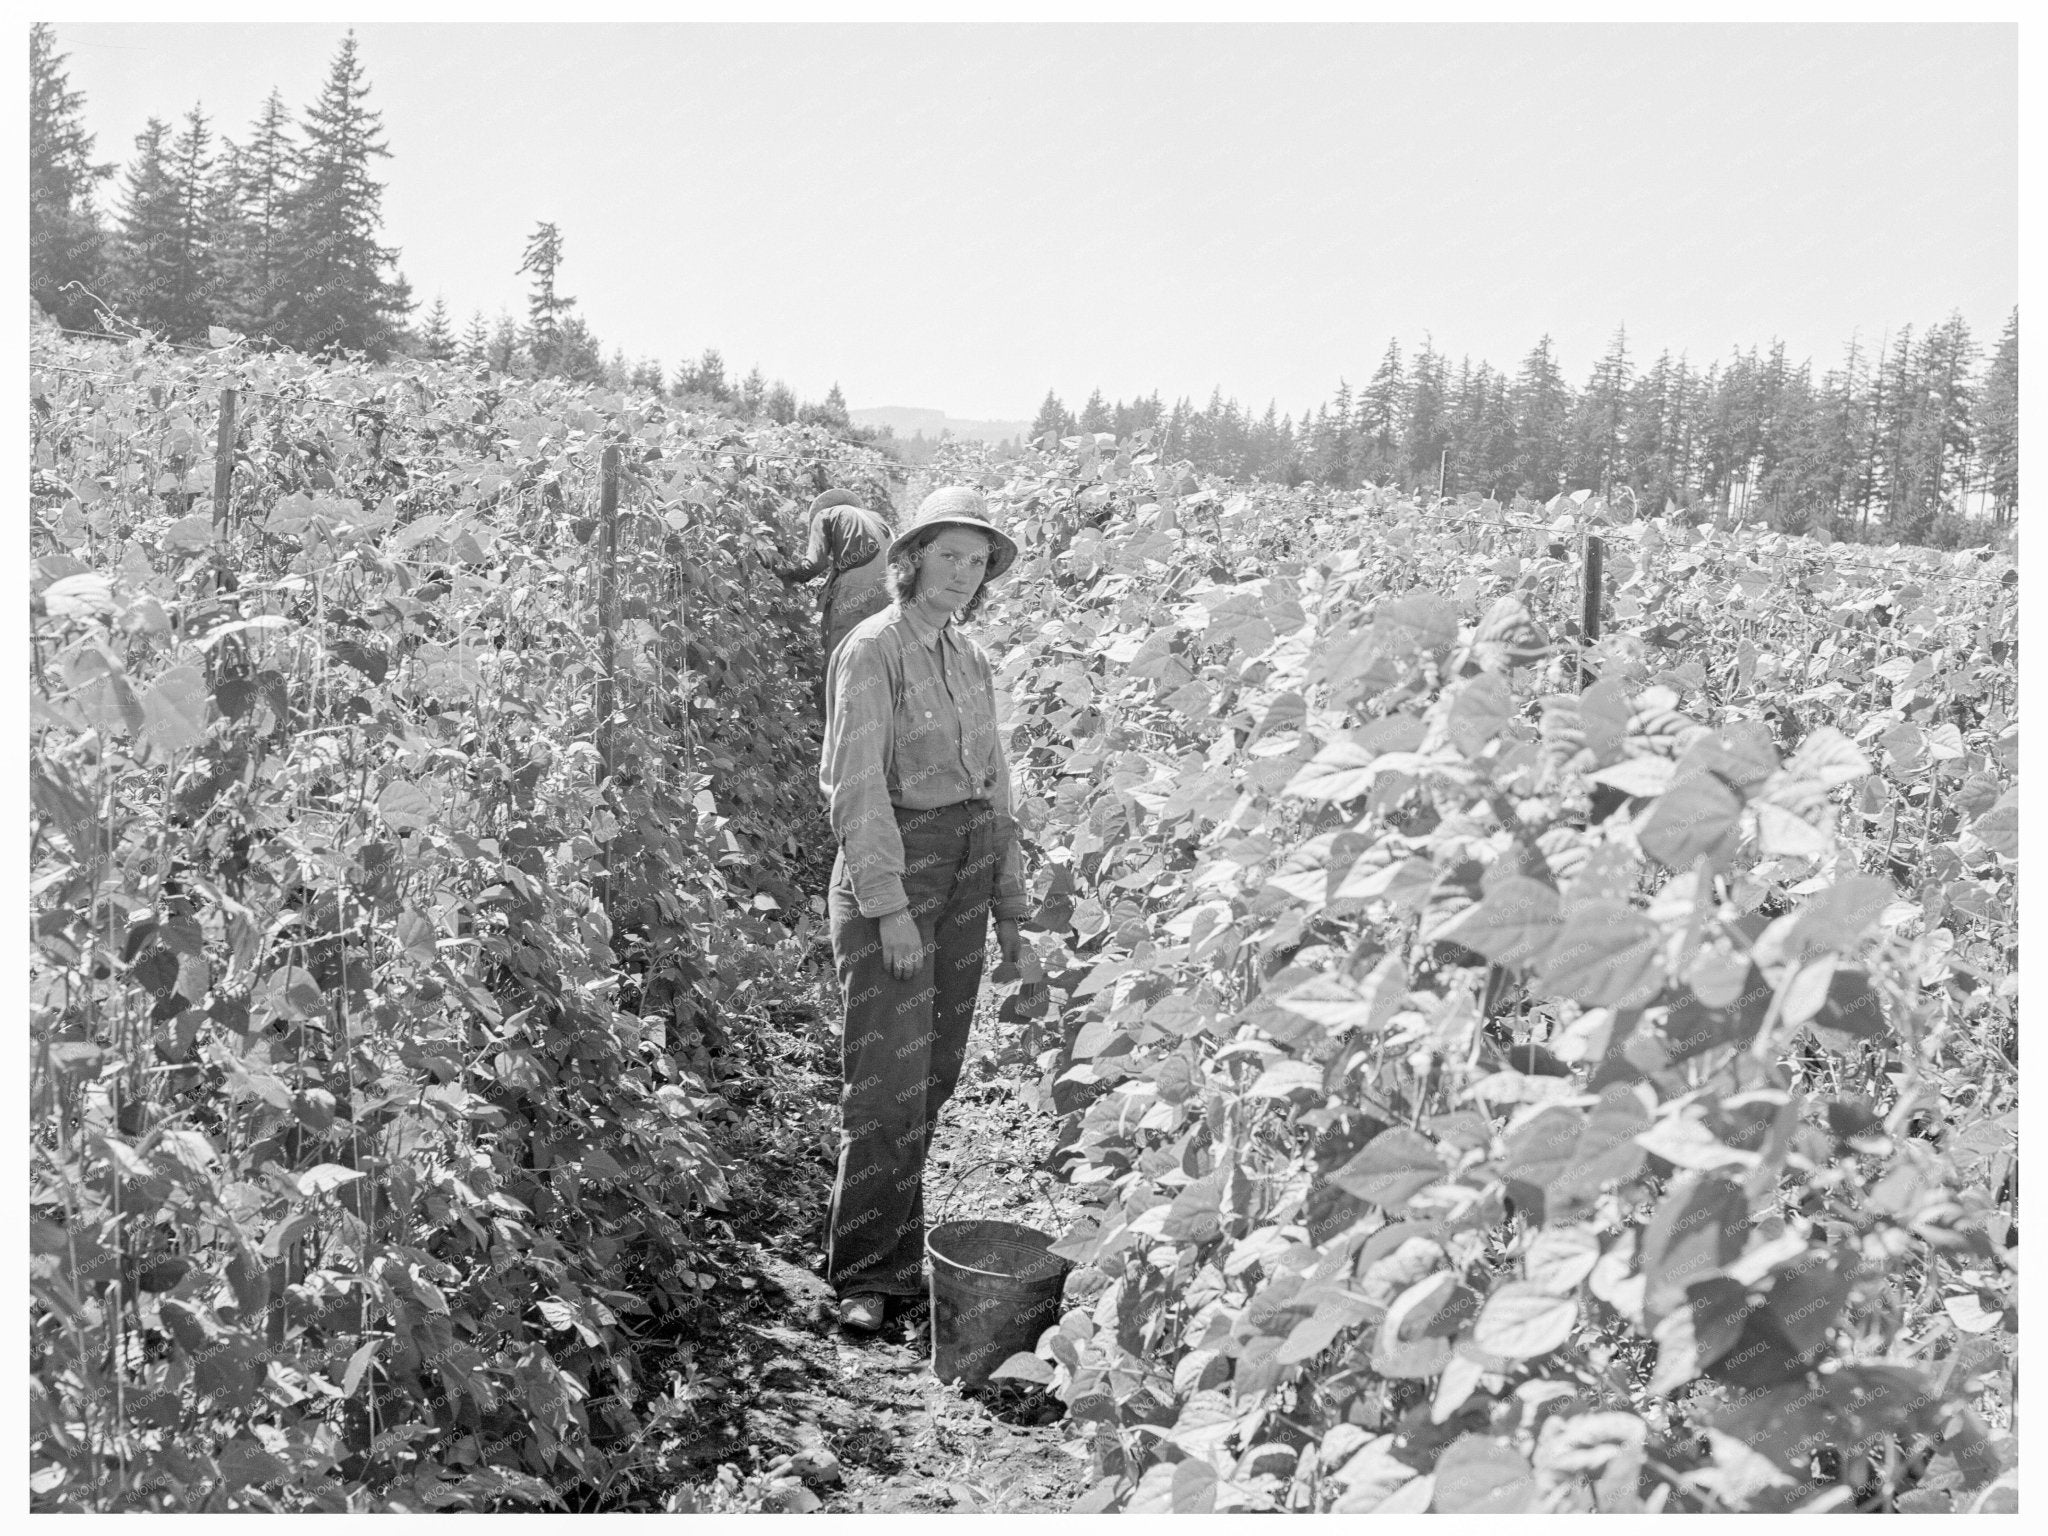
column 902, row 575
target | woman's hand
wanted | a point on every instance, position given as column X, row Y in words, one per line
column 902, row 947
column 1007, row 939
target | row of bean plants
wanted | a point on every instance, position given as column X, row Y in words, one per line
column 1513, row 1072
column 372, row 1137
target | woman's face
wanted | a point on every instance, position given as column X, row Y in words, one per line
column 950, row 569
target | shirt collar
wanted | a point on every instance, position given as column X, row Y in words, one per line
column 928, row 633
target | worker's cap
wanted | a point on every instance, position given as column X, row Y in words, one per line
column 832, row 499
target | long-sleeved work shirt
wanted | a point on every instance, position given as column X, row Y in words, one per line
column 912, row 724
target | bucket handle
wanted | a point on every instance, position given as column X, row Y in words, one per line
column 944, row 1207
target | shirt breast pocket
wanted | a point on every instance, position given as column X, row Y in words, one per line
column 924, row 724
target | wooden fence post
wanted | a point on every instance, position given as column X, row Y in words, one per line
column 1589, row 612
column 607, row 603
column 607, row 637
column 223, row 460
column 230, row 658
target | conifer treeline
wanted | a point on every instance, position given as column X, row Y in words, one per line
column 1894, row 436
column 276, row 238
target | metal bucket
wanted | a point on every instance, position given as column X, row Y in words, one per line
column 995, row 1289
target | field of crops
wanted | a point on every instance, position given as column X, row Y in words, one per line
column 1486, row 1091
column 1503, row 1096
column 370, row 1015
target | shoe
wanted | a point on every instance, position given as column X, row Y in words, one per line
column 861, row 1314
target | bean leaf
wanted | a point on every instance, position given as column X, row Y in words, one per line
column 1521, row 1321
column 1607, row 954
column 1391, row 1167
column 1479, row 1475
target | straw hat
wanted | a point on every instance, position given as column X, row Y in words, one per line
column 958, row 506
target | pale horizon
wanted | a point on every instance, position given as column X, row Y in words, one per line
column 956, row 218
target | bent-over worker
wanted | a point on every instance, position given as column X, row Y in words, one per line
column 848, row 545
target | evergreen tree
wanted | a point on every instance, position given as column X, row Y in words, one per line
column 1142, row 414
column 1178, row 426
column 1267, row 454
column 578, row 356
column 647, row 375
column 221, row 228
column 1496, row 452
column 753, row 393
column 1309, row 440
column 1894, row 407
column 503, row 352
column 1869, row 448
column 335, row 290
column 617, row 373
column 1052, row 417
column 1426, row 421
column 1690, row 452
column 437, row 338
column 1196, row 438
column 829, row 412
column 1649, row 435
column 66, row 245
column 1376, row 449
column 150, row 258
column 1998, row 437
column 1095, row 415
column 780, row 404
column 1464, row 397
column 1732, row 430
column 1795, row 471
column 1597, row 438
column 1216, row 437
column 546, row 308
column 253, row 260
column 190, row 309
column 1774, row 426
column 1847, row 405
column 1542, row 403
column 708, row 377
column 1942, row 434
column 1329, row 456
column 1287, row 459
column 476, row 342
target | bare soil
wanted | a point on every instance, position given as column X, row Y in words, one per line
column 785, row 1410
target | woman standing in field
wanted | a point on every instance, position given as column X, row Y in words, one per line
column 919, row 792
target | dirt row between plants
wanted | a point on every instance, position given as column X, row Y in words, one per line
column 782, row 1410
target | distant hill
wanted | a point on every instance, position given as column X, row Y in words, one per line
column 911, row 421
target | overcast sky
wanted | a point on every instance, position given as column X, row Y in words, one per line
column 962, row 217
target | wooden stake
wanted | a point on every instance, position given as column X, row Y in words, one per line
column 229, row 659
column 607, row 642
column 607, row 603
column 1589, row 613
column 223, row 460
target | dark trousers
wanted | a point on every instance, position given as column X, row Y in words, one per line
column 904, row 1042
